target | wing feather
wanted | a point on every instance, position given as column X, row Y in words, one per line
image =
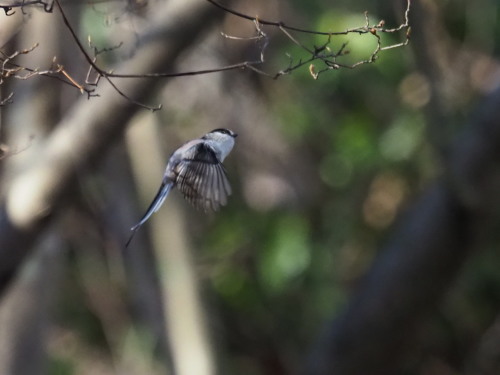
column 202, row 179
column 222, row 198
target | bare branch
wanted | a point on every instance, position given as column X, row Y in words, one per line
column 9, row 69
column 6, row 100
column 322, row 54
column 361, row 30
column 9, row 9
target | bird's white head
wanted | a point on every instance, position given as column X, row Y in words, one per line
column 222, row 140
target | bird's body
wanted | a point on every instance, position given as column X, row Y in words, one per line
column 196, row 170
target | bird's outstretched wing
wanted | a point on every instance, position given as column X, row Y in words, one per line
column 201, row 178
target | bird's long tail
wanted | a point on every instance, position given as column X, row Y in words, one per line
column 154, row 206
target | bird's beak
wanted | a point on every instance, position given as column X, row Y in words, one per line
column 235, row 135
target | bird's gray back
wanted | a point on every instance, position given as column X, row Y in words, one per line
column 186, row 151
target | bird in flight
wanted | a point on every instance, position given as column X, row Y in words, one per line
column 196, row 170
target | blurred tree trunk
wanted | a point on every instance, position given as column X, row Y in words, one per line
column 433, row 240
column 141, row 274
column 410, row 276
column 26, row 310
column 170, row 239
column 486, row 360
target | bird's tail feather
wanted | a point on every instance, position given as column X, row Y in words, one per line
column 154, row 206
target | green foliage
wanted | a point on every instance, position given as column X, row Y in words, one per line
column 401, row 140
column 60, row 366
column 286, row 255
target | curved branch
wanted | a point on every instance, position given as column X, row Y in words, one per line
column 360, row 30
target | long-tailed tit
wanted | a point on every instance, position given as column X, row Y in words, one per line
column 196, row 170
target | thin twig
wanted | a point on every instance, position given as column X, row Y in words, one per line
column 280, row 24
column 323, row 53
column 92, row 63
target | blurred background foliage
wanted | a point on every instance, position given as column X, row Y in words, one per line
column 321, row 171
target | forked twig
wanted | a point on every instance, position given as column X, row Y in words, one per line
column 322, row 54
